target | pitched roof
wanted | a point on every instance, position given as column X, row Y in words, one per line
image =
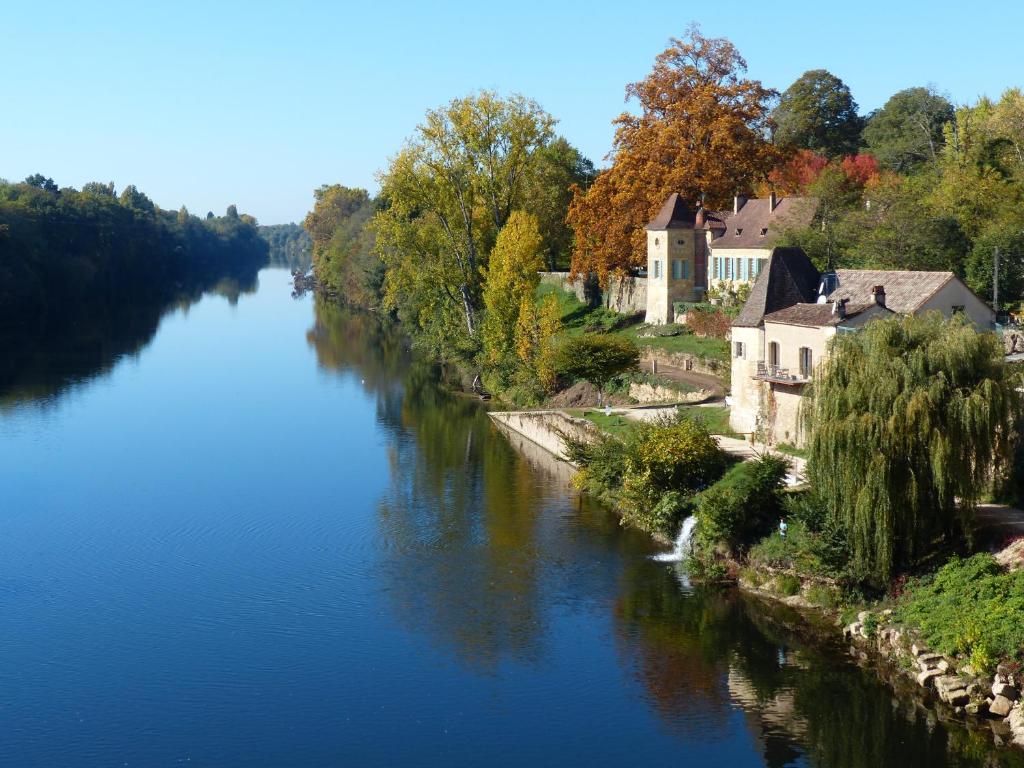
column 905, row 291
column 788, row 278
column 817, row 315
column 674, row 214
column 743, row 229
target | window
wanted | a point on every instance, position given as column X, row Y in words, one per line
column 743, row 269
column 677, row 269
column 728, row 269
column 657, row 242
column 758, row 263
column 680, row 242
column 773, row 354
column 752, row 268
column 715, row 271
column 764, row 231
column 657, row 268
column 686, row 270
column 739, row 231
column 806, row 362
column 737, row 349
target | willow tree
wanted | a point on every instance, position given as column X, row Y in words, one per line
column 909, row 418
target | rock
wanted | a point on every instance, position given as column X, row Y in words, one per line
column 951, row 689
column 974, row 689
column 925, row 678
column 959, row 698
column 863, row 616
column 976, row 708
column 929, row 660
column 1016, row 722
column 942, row 665
column 1000, row 706
column 887, row 612
column 895, row 637
column 1005, row 689
column 918, row 650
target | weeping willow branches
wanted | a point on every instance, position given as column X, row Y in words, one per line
column 908, row 419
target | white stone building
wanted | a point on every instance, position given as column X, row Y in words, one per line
column 783, row 331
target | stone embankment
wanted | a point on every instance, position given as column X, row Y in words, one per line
column 993, row 701
column 548, row 429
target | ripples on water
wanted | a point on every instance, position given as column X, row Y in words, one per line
column 271, row 538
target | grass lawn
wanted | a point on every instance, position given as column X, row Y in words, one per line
column 715, row 419
column 577, row 317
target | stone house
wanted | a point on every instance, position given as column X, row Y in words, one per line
column 690, row 249
column 783, row 331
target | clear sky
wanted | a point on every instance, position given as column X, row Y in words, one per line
column 257, row 103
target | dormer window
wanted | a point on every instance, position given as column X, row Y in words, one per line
column 764, row 231
column 739, row 231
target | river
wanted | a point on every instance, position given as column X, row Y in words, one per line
column 266, row 536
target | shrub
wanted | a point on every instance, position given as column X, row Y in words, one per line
column 597, row 359
column 744, row 505
column 823, row 596
column 712, row 323
column 787, row 584
column 971, row 607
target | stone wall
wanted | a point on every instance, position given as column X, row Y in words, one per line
column 545, row 428
column 646, row 394
column 627, row 296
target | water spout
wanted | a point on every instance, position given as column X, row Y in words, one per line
column 683, row 545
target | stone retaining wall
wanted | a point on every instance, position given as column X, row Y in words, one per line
column 627, row 295
column 659, row 393
column 545, row 428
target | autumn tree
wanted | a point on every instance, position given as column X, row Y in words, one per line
column 343, row 258
column 701, row 132
column 449, row 192
column 817, row 113
column 536, row 330
column 511, row 279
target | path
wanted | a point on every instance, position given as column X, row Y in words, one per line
column 713, row 384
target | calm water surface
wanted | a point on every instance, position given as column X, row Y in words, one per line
column 269, row 538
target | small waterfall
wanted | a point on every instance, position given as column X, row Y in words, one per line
column 684, row 542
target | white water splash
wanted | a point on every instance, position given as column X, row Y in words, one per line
column 683, row 545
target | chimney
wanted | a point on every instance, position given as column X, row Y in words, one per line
column 772, row 201
column 738, row 202
column 878, row 295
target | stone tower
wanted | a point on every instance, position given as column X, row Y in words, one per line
column 672, row 270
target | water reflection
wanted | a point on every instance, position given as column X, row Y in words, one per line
column 41, row 366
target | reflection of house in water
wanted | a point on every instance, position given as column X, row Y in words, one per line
column 773, row 720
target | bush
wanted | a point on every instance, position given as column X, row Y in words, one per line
column 823, row 596
column 711, row 322
column 787, row 584
column 969, row 607
column 744, row 505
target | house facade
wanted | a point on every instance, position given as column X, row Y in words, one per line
column 783, row 331
column 690, row 249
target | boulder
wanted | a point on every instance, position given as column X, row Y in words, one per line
column 1000, row 706
column 952, row 690
column 925, row 678
column 1016, row 722
column 918, row 650
column 1005, row 689
column 863, row 616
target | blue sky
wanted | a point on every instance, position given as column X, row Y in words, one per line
column 257, row 103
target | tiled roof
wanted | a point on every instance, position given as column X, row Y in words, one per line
column 816, row 315
column 788, row 278
column 674, row 214
column 905, row 291
column 743, row 229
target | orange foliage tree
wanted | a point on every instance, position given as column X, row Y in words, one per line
column 702, row 131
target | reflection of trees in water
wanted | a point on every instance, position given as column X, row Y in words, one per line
column 701, row 651
column 460, row 515
column 88, row 341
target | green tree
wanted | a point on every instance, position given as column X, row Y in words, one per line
column 449, row 193
column 42, row 182
column 818, row 113
column 558, row 168
column 343, row 258
column 232, row 212
column 908, row 420
column 511, row 279
column 596, row 358
column 908, row 130
column 132, row 198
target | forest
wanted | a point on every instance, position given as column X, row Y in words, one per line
column 64, row 250
column 290, row 245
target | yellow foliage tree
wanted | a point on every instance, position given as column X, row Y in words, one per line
column 511, row 279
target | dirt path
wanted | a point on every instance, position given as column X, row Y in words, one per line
column 698, row 380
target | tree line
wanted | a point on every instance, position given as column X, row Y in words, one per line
column 916, row 184
column 63, row 251
column 290, row 245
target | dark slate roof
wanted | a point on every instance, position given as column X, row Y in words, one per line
column 674, row 214
column 817, row 315
column 905, row 291
column 743, row 229
column 788, row 278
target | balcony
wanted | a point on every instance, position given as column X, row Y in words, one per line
column 778, row 375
